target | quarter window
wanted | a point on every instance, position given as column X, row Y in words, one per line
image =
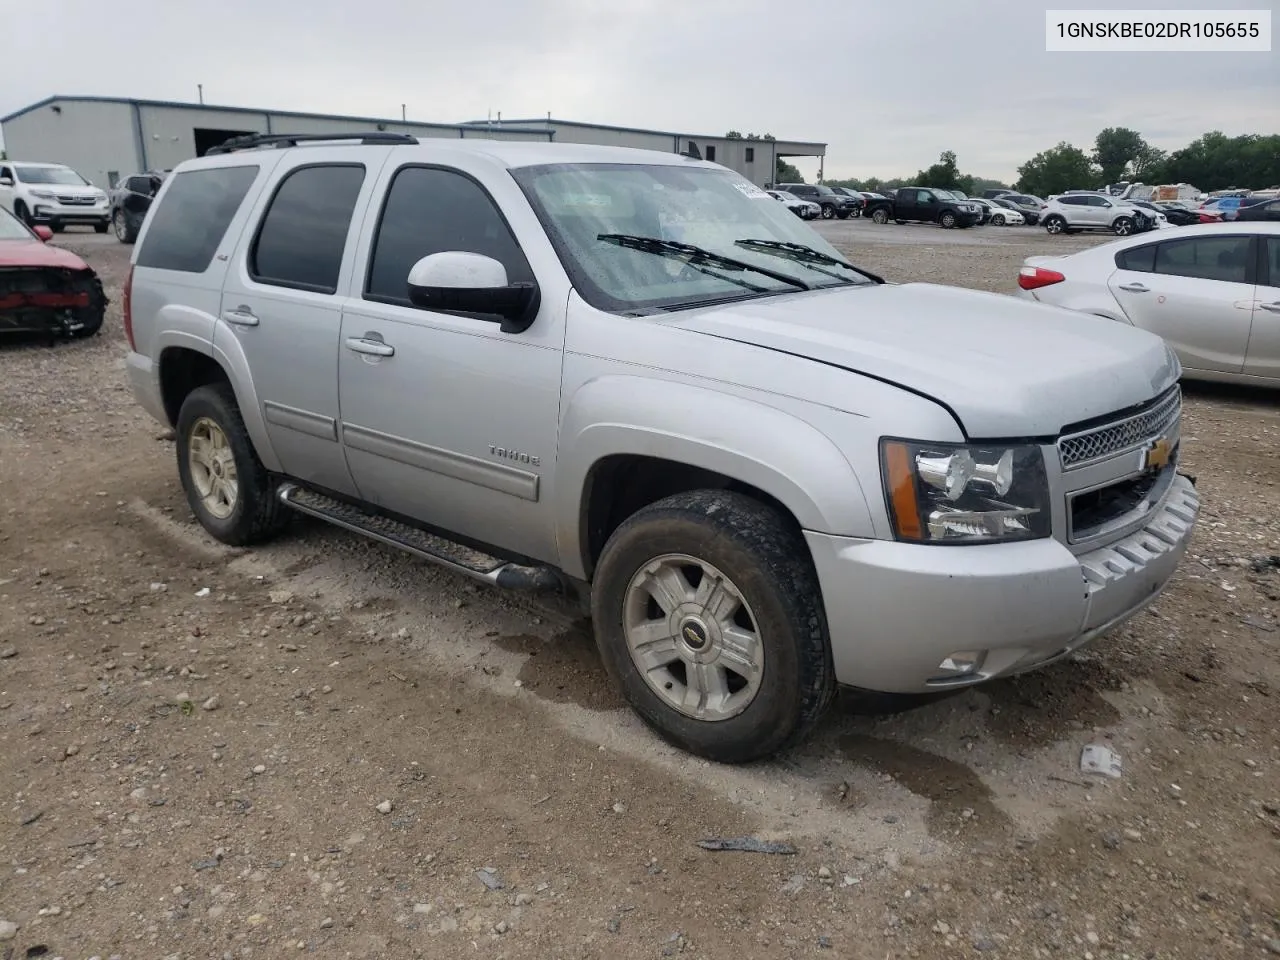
column 429, row 210
column 190, row 222
column 304, row 231
column 1206, row 258
column 1142, row 259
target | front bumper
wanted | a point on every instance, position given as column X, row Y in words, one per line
column 895, row 610
column 51, row 211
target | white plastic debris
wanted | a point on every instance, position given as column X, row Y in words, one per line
column 1095, row 758
column 202, row 592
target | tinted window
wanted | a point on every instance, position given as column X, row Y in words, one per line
column 430, row 211
column 189, row 223
column 138, row 185
column 1273, row 260
column 6, row 172
column 304, row 232
column 1206, row 258
column 1071, row 201
column 1138, row 258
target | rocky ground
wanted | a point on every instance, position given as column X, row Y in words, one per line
column 325, row 748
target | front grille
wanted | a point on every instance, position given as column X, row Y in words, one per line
column 76, row 201
column 1092, row 511
column 1087, row 446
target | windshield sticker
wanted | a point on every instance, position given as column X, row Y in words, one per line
column 751, row 191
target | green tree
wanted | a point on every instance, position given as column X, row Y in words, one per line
column 1148, row 165
column 1216, row 161
column 733, row 135
column 786, row 173
column 1056, row 170
column 943, row 174
column 1115, row 149
column 983, row 183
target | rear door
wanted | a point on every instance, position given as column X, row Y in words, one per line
column 280, row 302
column 1197, row 293
column 1263, row 357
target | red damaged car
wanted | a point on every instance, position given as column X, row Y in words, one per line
column 45, row 289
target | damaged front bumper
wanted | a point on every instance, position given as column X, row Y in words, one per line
column 52, row 300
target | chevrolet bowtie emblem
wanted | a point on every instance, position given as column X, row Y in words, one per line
column 1158, row 453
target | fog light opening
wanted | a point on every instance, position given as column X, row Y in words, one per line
column 962, row 663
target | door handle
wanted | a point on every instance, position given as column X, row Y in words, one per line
column 371, row 347
column 241, row 316
column 1135, row 288
column 1273, row 307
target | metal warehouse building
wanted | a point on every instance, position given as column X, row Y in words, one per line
column 106, row 138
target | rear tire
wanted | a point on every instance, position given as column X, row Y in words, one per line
column 704, row 584
column 1055, row 225
column 126, row 229
column 235, row 500
column 1123, row 226
column 880, row 216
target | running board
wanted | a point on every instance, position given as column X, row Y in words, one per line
column 446, row 553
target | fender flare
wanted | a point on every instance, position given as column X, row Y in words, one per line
column 761, row 445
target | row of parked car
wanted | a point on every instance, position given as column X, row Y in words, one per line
column 56, row 196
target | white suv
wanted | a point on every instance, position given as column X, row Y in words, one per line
column 1092, row 211
column 53, row 194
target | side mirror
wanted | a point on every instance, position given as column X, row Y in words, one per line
column 472, row 283
column 6, row 181
column 43, row 232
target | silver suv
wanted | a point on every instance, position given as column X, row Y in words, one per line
column 635, row 376
column 1093, row 211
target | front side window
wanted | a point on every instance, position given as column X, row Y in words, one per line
column 58, row 176
column 429, row 210
column 1225, row 259
column 304, row 232
column 191, row 220
column 609, row 222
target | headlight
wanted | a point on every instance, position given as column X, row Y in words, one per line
column 43, row 194
column 958, row 494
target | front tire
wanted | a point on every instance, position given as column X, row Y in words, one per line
column 948, row 220
column 828, row 211
column 997, row 220
column 20, row 211
column 227, row 487
column 709, row 618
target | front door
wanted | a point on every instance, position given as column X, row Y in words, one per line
column 1263, row 358
column 1196, row 293
column 445, row 418
column 281, row 302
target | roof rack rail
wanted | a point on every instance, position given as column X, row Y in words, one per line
column 250, row 140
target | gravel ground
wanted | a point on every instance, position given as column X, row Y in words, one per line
column 321, row 747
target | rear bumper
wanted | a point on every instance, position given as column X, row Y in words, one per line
column 144, row 380
column 896, row 611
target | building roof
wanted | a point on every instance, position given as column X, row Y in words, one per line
column 209, row 107
column 546, row 122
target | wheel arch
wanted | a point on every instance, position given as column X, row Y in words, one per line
column 693, row 438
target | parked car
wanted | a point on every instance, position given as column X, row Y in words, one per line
column 833, row 204
column 750, row 460
column 1187, row 284
column 130, row 201
column 52, row 194
column 999, row 216
column 804, row 209
column 997, row 192
column 1160, row 220
column 924, row 205
column 858, row 199
column 1070, row 213
column 1178, row 213
column 1266, row 210
column 1031, row 207
column 43, row 288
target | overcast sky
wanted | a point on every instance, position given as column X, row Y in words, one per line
column 887, row 85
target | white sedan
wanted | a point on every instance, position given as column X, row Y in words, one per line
column 804, row 209
column 1212, row 291
column 1000, row 216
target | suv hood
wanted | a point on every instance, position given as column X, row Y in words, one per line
column 1006, row 367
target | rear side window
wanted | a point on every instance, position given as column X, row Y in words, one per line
column 304, row 231
column 429, row 210
column 189, row 223
column 1138, row 258
column 1206, row 258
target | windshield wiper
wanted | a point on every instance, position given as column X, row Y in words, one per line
column 699, row 258
column 806, row 255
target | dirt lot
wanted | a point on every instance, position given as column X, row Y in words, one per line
column 311, row 749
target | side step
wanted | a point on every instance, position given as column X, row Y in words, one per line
column 455, row 556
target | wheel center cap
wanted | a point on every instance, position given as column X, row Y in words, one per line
column 694, row 633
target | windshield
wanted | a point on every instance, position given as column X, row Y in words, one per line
column 11, row 228
column 56, row 175
column 712, row 209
